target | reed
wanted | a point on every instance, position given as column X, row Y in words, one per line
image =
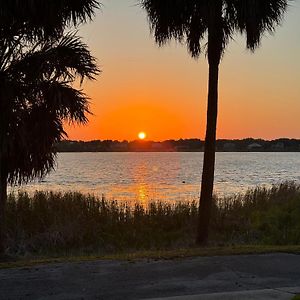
column 49, row 222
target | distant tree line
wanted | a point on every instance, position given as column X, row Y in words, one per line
column 182, row 145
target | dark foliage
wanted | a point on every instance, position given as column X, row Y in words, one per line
column 55, row 223
column 40, row 98
column 39, row 66
column 43, row 18
column 188, row 20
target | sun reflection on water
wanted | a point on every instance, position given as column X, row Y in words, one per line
column 141, row 174
column 142, row 194
column 145, row 177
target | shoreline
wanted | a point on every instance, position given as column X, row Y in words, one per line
column 47, row 224
column 11, row 262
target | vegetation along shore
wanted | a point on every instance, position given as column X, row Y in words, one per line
column 49, row 223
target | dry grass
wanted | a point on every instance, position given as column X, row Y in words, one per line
column 76, row 224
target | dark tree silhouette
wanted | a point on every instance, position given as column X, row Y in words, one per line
column 39, row 69
column 210, row 25
column 43, row 18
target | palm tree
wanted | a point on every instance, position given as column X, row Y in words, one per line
column 39, row 66
column 39, row 99
column 210, row 25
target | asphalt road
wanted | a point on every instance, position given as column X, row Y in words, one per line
column 229, row 277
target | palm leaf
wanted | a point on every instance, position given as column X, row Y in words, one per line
column 64, row 59
column 255, row 17
column 39, row 97
column 43, row 18
column 189, row 20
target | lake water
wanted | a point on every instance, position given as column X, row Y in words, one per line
column 165, row 176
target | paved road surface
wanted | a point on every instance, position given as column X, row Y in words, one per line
column 272, row 276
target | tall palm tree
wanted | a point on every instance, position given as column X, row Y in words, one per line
column 210, row 25
column 38, row 68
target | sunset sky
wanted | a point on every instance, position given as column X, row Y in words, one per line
column 163, row 91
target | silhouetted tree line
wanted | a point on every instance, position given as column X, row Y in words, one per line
column 182, row 145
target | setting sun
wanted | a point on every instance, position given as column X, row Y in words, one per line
column 142, row 135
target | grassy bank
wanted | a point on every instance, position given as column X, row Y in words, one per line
column 171, row 254
column 77, row 224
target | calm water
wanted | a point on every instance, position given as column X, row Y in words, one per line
column 168, row 176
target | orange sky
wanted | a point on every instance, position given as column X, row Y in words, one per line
column 162, row 91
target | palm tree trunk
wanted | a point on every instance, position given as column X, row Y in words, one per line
column 209, row 156
column 3, row 199
column 214, row 52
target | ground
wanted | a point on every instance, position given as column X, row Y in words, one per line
column 267, row 276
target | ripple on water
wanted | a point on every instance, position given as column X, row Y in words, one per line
column 160, row 176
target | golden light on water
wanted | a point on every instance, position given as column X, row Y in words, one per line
column 142, row 135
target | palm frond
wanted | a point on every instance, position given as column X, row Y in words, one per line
column 255, row 17
column 43, row 18
column 67, row 103
column 176, row 19
column 37, row 98
column 34, row 129
column 31, row 144
column 64, row 59
column 190, row 20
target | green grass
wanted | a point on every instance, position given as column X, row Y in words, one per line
column 76, row 225
column 297, row 297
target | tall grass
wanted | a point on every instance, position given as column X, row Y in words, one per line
column 262, row 216
column 49, row 222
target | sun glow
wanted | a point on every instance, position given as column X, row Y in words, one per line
column 142, row 135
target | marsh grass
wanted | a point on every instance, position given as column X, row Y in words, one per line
column 53, row 223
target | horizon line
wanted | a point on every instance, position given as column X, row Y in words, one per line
column 181, row 139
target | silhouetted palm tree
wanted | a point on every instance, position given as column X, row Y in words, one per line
column 38, row 69
column 210, row 25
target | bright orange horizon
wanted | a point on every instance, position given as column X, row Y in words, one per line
column 162, row 91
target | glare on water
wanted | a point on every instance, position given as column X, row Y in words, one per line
column 164, row 176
